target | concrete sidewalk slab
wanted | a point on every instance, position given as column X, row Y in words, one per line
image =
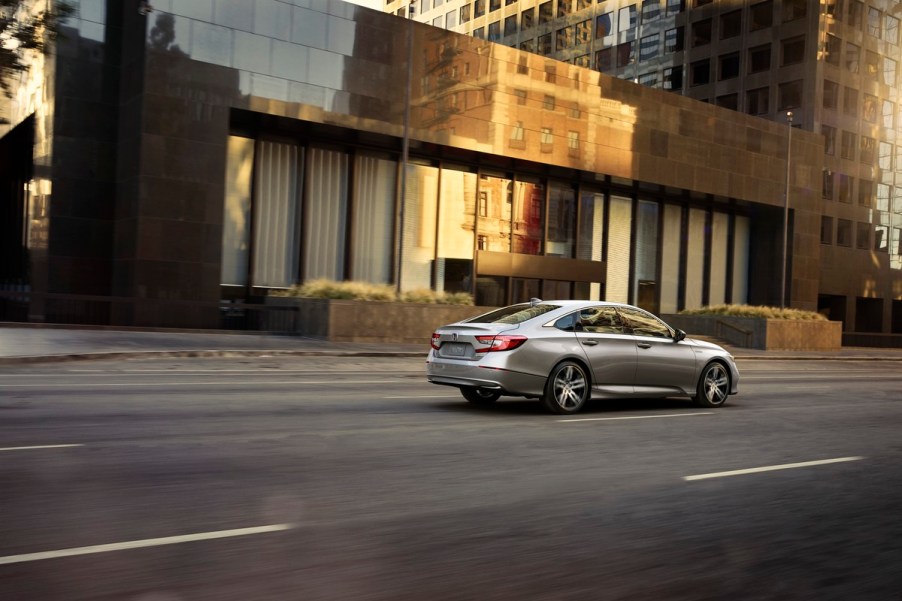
column 20, row 344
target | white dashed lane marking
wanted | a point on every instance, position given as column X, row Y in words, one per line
column 43, row 446
column 606, row 419
column 139, row 544
column 771, row 468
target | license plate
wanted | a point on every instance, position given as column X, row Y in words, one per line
column 454, row 349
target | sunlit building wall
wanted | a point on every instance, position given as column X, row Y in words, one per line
column 834, row 64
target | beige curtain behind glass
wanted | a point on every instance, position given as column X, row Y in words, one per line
column 670, row 259
column 276, row 215
column 695, row 259
column 720, row 225
column 326, row 218
column 374, row 194
column 741, row 261
column 618, row 267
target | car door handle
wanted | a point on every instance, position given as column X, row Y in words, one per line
column 644, row 345
column 590, row 342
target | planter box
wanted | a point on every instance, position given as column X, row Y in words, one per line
column 764, row 334
column 371, row 321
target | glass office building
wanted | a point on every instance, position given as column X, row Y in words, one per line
column 834, row 64
column 219, row 149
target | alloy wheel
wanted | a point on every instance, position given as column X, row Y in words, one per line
column 716, row 384
column 569, row 387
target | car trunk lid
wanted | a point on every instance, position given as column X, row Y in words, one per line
column 467, row 341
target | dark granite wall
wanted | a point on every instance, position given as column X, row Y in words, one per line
column 83, row 163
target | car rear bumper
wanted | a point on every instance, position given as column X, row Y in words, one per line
column 468, row 374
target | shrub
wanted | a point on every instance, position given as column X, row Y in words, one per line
column 322, row 288
column 425, row 295
column 419, row 295
column 459, row 298
column 761, row 312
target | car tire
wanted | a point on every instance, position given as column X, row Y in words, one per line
column 713, row 386
column 567, row 388
column 480, row 396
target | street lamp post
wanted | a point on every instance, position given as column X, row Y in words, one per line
column 405, row 151
column 786, row 211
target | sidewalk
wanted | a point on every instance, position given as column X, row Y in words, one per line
column 29, row 344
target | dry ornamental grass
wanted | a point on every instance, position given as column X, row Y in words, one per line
column 366, row 291
column 760, row 312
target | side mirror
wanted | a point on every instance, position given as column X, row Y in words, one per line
column 680, row 335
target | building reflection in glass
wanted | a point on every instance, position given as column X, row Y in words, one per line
column 494, row 210
column 456, row 230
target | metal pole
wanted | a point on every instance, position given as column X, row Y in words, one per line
column 405, row 149
column 786, row 211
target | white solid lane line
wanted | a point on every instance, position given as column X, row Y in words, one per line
column 147, row 542
column 771, row 468
column 43, row 446
column 605, row 419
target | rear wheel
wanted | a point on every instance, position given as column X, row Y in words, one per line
column 713, row 386
column 567, row 389
column 480, row 396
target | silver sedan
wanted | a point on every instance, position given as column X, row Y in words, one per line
column 566, row 352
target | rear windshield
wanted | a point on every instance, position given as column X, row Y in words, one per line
column 514, row 314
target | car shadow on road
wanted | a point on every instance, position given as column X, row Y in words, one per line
column 514, row 406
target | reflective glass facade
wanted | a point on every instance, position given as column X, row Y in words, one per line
column 258, row 145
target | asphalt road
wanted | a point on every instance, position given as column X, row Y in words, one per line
column 331, row 479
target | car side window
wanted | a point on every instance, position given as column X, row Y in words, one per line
column 601, row 320
column 568, row 323
column 645, row 324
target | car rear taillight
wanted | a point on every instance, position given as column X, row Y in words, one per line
column 434, row 343
column 501, row 342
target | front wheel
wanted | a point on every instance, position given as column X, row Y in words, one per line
column 567, row 389
column 480, row 396
column 713, row 386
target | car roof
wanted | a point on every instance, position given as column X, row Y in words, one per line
column 576, row 303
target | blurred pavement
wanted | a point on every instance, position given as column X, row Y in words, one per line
column 22, row 343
